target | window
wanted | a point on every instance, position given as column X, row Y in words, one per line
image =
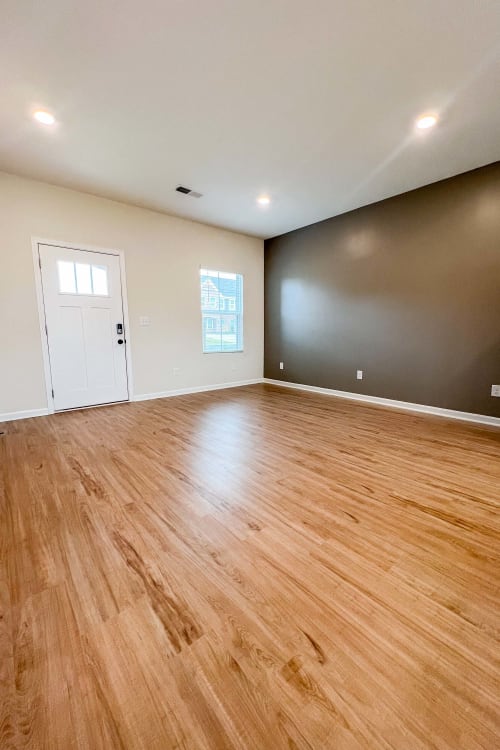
column 222, row 311
column 82, row 278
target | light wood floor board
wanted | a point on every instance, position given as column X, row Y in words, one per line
column 249, row 569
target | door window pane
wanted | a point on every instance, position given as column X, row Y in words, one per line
column 83, row 278
column 100, row 280
column 67, row 281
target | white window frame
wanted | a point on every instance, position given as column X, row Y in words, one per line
column 227, row 311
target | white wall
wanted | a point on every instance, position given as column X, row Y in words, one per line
column 163, row 255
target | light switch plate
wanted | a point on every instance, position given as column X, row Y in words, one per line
column 495, row 390
column 144, row 320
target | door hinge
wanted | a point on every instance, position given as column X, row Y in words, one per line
column 52, row 393
column 46, row 329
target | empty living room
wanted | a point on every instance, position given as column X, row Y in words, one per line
column 250, row 375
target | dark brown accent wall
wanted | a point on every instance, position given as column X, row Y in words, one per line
column 407, row 290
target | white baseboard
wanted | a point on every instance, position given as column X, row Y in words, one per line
column 393, row 404
column 10, row 416
column 377, row 400
column 27, row 413
column 195, row 389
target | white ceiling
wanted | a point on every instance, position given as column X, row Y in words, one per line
column 310, row 101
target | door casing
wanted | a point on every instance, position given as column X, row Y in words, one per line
column 35, row 242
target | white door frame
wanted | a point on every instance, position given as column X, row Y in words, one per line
column 35, row 242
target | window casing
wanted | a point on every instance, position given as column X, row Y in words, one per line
column 221, row 311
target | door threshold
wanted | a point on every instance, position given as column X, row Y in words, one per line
column 91, row 406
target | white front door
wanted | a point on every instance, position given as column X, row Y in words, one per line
column 82, row 296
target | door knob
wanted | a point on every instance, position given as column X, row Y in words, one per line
column 120, row 341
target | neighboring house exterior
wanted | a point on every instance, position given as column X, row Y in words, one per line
column 220, row 296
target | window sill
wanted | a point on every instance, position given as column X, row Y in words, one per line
column 234, row 351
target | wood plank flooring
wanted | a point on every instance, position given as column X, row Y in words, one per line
column 249, row 569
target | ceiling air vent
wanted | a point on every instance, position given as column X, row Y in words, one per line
column 188, row 191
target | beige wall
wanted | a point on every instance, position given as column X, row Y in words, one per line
column 162, row 258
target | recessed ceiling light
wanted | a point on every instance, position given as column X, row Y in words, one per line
column 426, row 121
column 44, row 117
column 263, row 200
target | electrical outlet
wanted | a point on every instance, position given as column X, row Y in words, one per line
column 144, row 320
column 359, row 374
column 282, row 366
column 495, row 390
column 176, row 370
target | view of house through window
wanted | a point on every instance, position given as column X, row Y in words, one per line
column 222, row 311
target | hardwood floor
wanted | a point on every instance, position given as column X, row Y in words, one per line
column 251, row 568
